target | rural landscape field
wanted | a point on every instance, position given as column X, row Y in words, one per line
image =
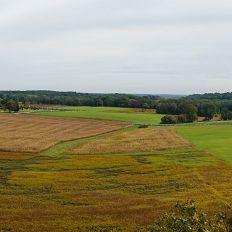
column 129, row 115
column 61, row 171
column 115, row 116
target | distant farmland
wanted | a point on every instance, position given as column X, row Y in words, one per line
column 108, row 113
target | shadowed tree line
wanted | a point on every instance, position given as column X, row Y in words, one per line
column 212, row 96
column 82, row 99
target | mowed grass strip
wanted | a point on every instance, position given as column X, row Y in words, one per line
column 140, row 140
column 108, row 113
column 216, row 139
column 26, row 133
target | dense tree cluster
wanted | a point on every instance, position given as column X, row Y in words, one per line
column 182, row 118
column 9, row 105
column 178, row 111
column 212, row 103
column 82, row 99
column 191, row 108
column 202, row 108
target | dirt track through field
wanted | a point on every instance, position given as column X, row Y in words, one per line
column 26, row 133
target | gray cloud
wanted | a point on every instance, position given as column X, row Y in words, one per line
column 149, row 46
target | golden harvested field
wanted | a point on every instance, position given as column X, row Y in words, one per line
column 142, row 140
column 26, row 133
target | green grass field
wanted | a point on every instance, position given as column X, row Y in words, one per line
column 215, row 139
column 107, row 113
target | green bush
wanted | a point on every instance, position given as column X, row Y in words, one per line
column 187, row 218
column 169, row 119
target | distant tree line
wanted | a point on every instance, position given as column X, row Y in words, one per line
column 82, row 99
column 212, row 96
column 182, row 110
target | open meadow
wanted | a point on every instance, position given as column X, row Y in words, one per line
column 107, row 113
column 105, row 176
column 216, row 139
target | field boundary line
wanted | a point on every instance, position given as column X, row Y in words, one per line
column 185, row 124
column 82, row 138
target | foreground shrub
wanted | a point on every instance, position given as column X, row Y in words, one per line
column 187, row 218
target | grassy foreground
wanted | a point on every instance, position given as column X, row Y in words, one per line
column 61, row 190
column 107, row 113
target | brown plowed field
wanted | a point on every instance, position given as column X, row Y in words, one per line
column 26, row 133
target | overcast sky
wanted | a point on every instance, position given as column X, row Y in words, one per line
column 132, row 46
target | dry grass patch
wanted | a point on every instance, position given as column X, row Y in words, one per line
column 25, row 133
column 142, row 140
